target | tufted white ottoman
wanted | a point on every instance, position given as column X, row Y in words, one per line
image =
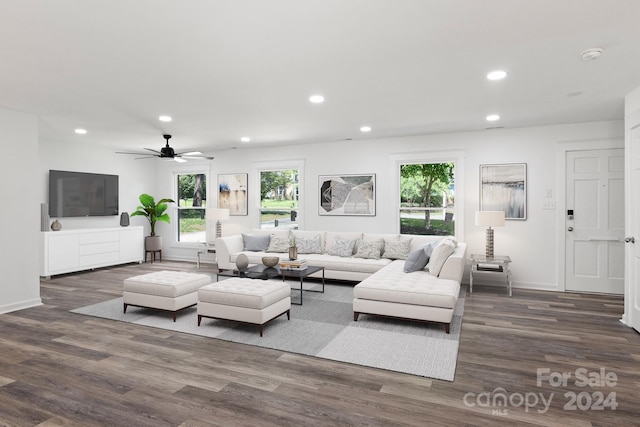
column 245, row 300
column 164, row 290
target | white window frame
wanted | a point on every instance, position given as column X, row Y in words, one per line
column 258, row 167
column 192, row 170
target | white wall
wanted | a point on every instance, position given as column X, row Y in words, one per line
column 532, row 244
column 20, row 218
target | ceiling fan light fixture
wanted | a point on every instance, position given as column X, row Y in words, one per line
column 179, row 160
column 165, row 118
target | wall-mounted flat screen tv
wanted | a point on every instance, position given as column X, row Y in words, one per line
column 82, row 194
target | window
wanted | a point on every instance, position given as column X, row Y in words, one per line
column 279, row 198
column 191, row 207
column 427, row 198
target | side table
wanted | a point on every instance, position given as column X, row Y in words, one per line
column 205, row 248
column 497, row 265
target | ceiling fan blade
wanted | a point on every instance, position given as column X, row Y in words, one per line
column 155, row 151
column 145, row 157
column 130, row 152
column 196, row 157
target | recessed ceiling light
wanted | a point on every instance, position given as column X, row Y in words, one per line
column 80, row 131
column 245, row 139
column 497, row 75
column 493, row 117
column 165, row 118
column 365, row 129
column 591, row 54
column 317, row 99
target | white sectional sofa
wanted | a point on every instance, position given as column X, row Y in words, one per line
column 384, row 287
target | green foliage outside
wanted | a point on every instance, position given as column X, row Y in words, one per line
column 192, row 190
column 423, row 185
column 416, row 226
column 284, row 180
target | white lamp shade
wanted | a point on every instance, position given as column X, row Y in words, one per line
column 490, row 218
column 217, row 214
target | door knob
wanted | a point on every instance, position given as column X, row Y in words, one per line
column 570, row 228
column 630, row 240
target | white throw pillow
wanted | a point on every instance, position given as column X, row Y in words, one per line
column 278, row 244
column 370, row 250
column 309, row 245
column 439, row 255
column 342, row 247
column 396, row 249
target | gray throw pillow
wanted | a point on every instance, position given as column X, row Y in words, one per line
column 256, row 243
column 416, row 260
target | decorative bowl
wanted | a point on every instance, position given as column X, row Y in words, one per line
column 270, row 261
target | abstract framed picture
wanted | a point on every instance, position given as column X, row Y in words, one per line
column 347, row 195
column 503, row 187
column 232, row 193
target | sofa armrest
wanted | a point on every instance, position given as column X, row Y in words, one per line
column 225, row 246
column 453, row 267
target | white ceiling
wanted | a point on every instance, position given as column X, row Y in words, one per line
column 233, row 68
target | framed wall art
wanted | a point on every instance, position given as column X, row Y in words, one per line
column 232, row 193
column 503, row 187
column 347, row 194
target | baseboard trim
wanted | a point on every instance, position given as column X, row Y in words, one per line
column 20, row 305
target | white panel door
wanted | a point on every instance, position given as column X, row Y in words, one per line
column 595, row 234
column 633, row 232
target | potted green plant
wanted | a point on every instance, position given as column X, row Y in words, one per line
column 153, row 212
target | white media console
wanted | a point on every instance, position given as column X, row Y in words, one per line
column 66, row 251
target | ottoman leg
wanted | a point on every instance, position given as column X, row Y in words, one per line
column 199, row 319
column 125, row 307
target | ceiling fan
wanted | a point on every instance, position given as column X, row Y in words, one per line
column 168, row 153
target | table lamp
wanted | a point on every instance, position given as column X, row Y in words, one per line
column 489, row 219
column 217, row 215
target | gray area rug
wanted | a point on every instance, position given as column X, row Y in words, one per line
column 322, row 327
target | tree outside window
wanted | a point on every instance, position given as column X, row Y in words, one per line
column 427, row 198
column 279, row 198
column 191, row 207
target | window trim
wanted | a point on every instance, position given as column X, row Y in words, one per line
column 258, row 167
column 175, row 220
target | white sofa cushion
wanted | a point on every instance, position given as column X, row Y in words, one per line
column 351, row 264
column 439, row 255
column 392, row 284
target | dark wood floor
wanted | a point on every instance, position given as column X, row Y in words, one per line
column 59, row 368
